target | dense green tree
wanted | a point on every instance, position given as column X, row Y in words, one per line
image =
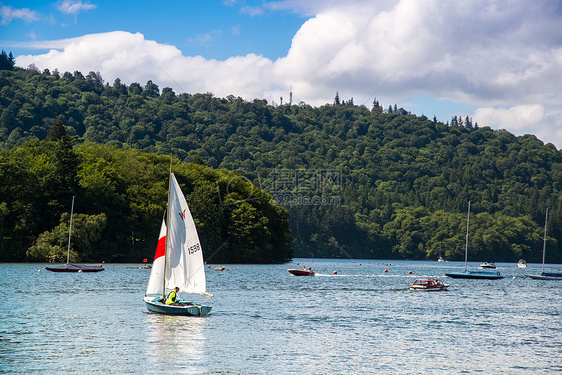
column 57, row 131
column 120, row 201
column 402, row 187
column 7, row 61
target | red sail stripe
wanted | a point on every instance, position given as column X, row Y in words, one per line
column 160, row 248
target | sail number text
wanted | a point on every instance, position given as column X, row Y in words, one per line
column 193, row 249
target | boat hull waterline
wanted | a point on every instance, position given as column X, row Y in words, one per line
column 490, row 265
column 75, row 268
column 301, row 272
column 488, row 275
column 429, row 285
column 547, row 276
column 183, row 308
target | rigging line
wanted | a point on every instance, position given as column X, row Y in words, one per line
column 384, row 83
column 173, row 80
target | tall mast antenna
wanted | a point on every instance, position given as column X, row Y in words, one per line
column 291, row 96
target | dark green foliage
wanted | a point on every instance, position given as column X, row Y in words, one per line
column 120, row 202
column 404, row 180
column 7, row 61
column 57, row 131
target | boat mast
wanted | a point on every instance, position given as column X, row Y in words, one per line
column 70, row 231
column 167, row 226
column 466, row 245
column 544, row 240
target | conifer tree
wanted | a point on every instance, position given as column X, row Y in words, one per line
column 7, row 61
column 56, row 132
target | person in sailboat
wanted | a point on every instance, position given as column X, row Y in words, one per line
column 172, row 297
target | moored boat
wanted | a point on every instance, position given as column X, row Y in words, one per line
column 546, row 275
column 429, row 285
column 490, row 265
column 75, row 268
column 522, row 263
column 68, row 267
column 477, row 274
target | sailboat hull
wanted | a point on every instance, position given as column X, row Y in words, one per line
column 191, row 309
column 75, row 268
column 487, row 275
column 546, row 276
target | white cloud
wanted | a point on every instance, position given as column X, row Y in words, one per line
column 207, row 38
column 252, row 11
column 74, row 7
column 515, row 118
column 8, row 13
column 132, row 58
column 503, row 58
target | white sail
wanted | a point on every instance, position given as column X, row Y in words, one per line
column 184, row 256
column 156, row 282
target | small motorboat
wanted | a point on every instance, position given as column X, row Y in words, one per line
column 488, row 265
column 429, row 285
column 303, row 272
column 522, row 263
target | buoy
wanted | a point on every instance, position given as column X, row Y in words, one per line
column 335, row 272
column 410, row 272
column 385, row 270
column 208, row 266
column 297, row 263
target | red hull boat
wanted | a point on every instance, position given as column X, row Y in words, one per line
column 303, row 272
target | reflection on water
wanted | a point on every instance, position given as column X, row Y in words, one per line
column 265, row 321
column 175, row 343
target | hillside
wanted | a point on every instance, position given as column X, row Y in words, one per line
column 357, row 182
column 120, row 204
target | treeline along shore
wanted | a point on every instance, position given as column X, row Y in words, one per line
column 265, row 182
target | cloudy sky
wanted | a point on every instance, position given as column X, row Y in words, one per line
column 499, row 62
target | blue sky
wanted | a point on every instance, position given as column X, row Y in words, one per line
column 214, row 29
column 497, row 62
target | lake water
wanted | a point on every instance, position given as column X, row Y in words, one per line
column 265, row 321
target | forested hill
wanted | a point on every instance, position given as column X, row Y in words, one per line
column 357, row 181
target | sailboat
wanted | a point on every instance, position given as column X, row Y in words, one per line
column 546, row 275
column 178, row 261
column 476, row 274
column 73, row 267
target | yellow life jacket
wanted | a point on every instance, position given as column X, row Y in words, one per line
column 171, row 298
